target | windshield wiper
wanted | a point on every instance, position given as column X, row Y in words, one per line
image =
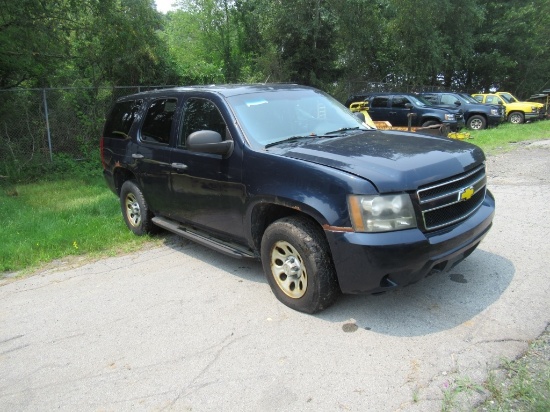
column 290, row 139
column 343, row 129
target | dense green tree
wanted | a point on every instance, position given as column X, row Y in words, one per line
column 302, row 33
column 513, row 50
column 87, row 42
column 203, row 37
column 117, row 42
column 338, row 46
column 33, row 39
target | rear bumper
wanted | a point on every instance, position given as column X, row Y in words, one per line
column 373, row 263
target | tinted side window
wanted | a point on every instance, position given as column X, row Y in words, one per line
column 432, row 98
column 448, row 99
column 120, row 119
column 158, row 121
column 201, row 114
column 400, row 102
column 381, row 101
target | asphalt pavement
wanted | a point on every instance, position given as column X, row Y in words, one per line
column 184, row 328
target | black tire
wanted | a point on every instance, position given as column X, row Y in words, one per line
column 477, row 122
column 430, row 123
column 135, row 210
column 298, row 265
column 516, row 118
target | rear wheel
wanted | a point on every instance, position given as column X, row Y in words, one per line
column 298, row 265
column 516, row 118
column 477, row 122
column 135, row 210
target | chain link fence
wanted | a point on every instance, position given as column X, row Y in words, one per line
column 36, row 125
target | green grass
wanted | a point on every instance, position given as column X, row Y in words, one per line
column 522, row 384
column 44, row 221
column 503, row 137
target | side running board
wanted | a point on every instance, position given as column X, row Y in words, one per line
column 204, row 239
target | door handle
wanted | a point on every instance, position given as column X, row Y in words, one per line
column 137, row 156
column 179, row 166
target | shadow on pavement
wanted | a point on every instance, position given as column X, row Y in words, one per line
column 436, row 303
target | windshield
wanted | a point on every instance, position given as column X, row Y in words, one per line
column 273, row 116
column 508, row 98
column 467, row 98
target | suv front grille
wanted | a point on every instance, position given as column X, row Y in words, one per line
column 453, row 200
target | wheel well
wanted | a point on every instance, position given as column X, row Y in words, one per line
column 120, row 176
column 484, row 115
column 265, row 214
column 430, row 119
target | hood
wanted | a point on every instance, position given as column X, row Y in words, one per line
column 392, row 161
column 521, row 105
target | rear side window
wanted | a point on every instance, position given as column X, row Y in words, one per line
column 120, row 119
column 158, row 121
column 381, row 101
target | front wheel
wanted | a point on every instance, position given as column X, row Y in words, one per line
column 298, row 265
column 135, row 210
column 477, row 122
column 516, row 118
column 430, row 123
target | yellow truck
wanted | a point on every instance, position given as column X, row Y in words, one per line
column 517, row 112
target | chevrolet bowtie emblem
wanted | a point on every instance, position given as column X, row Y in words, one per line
column 466, row 193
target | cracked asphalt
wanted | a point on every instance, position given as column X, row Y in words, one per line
column 183, row 328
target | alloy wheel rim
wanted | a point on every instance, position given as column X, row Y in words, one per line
column 476, row 124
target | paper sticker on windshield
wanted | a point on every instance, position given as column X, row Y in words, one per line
column 256, row 102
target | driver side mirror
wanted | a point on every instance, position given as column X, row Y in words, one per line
column 408, row 106
column 209, row 141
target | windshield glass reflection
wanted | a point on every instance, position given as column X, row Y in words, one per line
column 271, row 117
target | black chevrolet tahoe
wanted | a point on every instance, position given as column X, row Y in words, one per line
column 396, row 108
column 288, row 175
column 477, row 115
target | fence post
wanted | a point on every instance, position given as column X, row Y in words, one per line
column 47, row 123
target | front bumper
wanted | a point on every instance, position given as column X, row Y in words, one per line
column 534, row 116
column 377, row 262
column 456, row 125
column 495, row 120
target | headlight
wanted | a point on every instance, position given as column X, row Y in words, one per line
column 450, row 117
column 381, row 213
column 494, row 112
column 534, row 108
